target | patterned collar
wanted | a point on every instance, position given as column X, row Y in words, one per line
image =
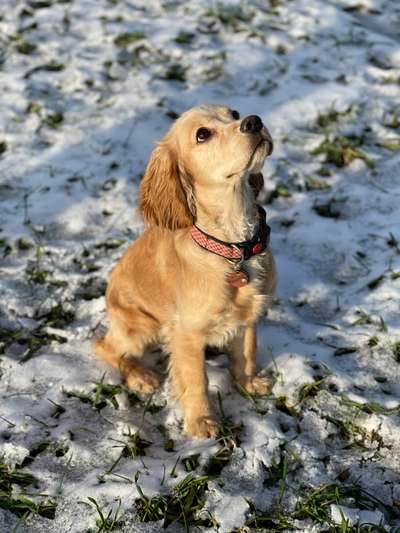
column 236, row 251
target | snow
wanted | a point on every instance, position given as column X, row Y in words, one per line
column 69, row 188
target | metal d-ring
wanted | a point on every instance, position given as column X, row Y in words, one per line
column 237, row 265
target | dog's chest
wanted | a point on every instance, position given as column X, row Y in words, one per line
column 241, row 307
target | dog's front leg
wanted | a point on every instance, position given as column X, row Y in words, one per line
column 187, row 369
column 243, row 350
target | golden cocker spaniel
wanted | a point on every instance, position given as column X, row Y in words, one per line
column 202, row 272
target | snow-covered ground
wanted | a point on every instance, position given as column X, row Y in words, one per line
column 86, row 87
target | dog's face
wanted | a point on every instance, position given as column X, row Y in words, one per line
column 215, row 145
column 207, row 146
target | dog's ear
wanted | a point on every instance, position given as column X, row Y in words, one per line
column 163, row 196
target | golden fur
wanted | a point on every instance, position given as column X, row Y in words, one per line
column 168, row 291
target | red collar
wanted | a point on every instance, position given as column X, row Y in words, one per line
column 236, row 251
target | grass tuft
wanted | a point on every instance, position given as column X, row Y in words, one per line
column 19, row 504
column 370, row 407
column 228, row 440
column 107, row 522
column 342, row 151
column 125, row 39
column 181, row 505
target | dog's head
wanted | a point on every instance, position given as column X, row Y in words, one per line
column 207, row 147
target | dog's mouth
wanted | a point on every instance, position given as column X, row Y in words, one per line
column 264, row 143
column 256, row 160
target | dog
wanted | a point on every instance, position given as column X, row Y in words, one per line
column 202, row 272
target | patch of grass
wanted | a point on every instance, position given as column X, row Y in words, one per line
column 109, row 244
column 191, row 462
column 313, row 184
column 7, row 249
column 330, row 117
column 100, row 396
column 40, row 4
column 9, row 477
column 109, row 184
column 392, row 146
column 373, row 341
column 86, row 262
column 175, row 72
column 36, row 274
column 58, row 316
column 36, row 450
column 133, row 447
column 3, row 146
column 109, row 522
column 354, row 435
column 181, row 505
column 53, row 66
column 327, row 210
column 23, row 245
column 184, row 37
column 393, row 242
column 310, row 390
column 212, row 73
column 228, row 439
column 168, row 443
column 269, row 521
column 280, row 191
column 230, row 15
column 7, row 337
column 342, row 151
column 91, row 288
column 374, row 283
column 25, row 47
column 392, row 122
column 104, row 393
column 33, row 107
column 35, row 340
column 125, row 39
column 19, row 504
column 278, row 471
column 382, row 325
column 396, row 351
column 324, row 172
column 345, row 350
column 317, row 504
column 370, row 407
column 365, row 319
column 54, row 119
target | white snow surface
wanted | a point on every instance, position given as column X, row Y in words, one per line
column 79, row 115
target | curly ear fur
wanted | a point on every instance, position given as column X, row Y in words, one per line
column 163, row 196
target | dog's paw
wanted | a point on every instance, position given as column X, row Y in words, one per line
column 202, row 427
column 142, row 380
column 259, row 385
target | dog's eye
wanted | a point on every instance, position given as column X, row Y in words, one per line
column 235, row 114
column 202, row 135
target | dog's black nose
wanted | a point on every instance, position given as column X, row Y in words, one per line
column 251, row 124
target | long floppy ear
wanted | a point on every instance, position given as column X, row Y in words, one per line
column 163, row 199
